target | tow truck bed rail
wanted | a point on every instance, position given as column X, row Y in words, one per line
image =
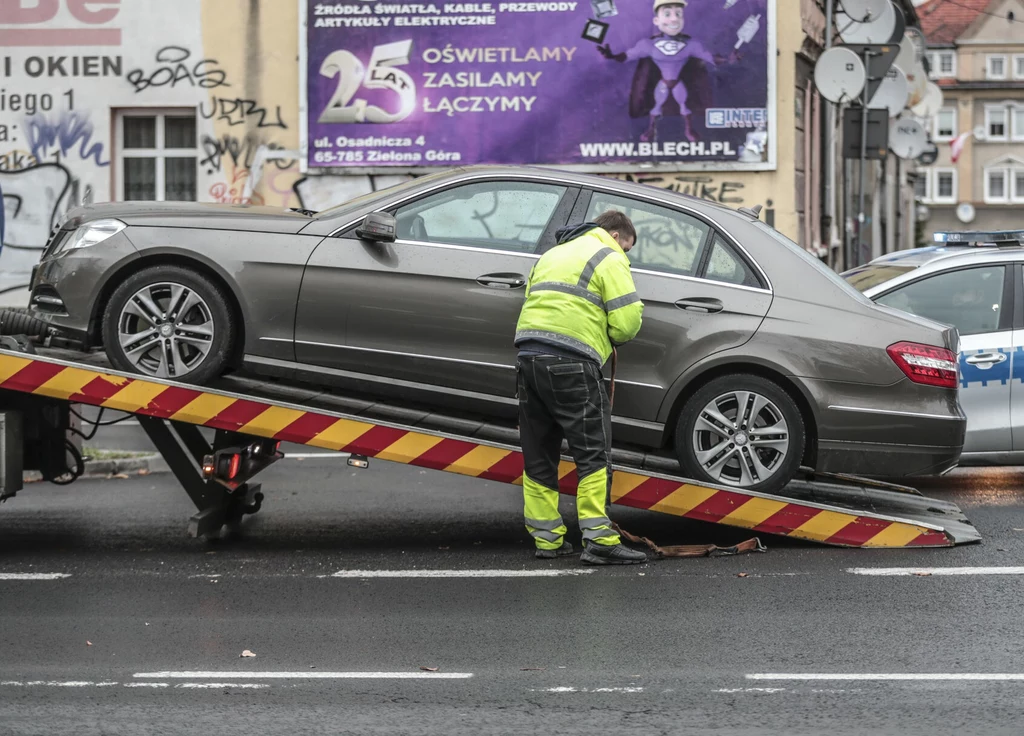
column 841, row 513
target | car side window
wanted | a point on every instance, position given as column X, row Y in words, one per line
column 725, row 265
column 666, row 240
column 500, row 215
column 970, row 299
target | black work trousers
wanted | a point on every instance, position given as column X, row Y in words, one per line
column 564, row 398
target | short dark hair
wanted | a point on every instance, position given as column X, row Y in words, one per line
column 616, row 221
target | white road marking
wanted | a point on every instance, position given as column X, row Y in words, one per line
column 456, row 573
column 214, row 685
column 564, row 689
column 33, row 575
column 889, row 676
column 146, row 684
column 750, row 690
column 304, row 675
column 303, row 455
column 890, row 571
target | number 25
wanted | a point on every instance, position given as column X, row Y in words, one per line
column 383, row 74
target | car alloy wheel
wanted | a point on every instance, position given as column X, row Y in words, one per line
column 741, row 438
column 165, row 330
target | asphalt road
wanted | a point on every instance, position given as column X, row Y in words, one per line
column 144, row 632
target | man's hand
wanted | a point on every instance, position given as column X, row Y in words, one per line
column 606, row 52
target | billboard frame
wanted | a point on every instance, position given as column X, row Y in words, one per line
column 625, row 167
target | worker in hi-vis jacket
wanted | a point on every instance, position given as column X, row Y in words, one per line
column 580, row 303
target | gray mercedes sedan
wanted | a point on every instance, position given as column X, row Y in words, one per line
column 754, row 358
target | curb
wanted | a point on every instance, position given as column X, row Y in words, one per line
column 144, row 465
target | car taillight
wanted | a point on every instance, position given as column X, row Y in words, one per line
column 925, row 364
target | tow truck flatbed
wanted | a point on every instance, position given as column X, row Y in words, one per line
column 246, row 412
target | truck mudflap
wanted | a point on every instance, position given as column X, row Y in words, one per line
column 839, row 512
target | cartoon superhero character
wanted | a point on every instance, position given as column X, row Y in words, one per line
column 673, row 64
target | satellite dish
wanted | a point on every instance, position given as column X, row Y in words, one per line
column 918, row 80
column 839, row 75
column 864, row 10
column 930, row 155
column 877, row 30
column 899, row 26
column 931, row 103
column 907, row 56
column 965, row 212
column 892, row 93
column 907, row 137
column 920, row 44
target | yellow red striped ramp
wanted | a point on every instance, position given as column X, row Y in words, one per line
column 766, row 514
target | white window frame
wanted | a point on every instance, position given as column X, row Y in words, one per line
column 935, row 60
column 1005, row 170
column 934, row 185
column 989, row 74
column 1015, row 196
column 159, row 153
column 989, row 110
column 1018, row 59
column 1016, row 133
column 935, row 132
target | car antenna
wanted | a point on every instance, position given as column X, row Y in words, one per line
column 754, row 211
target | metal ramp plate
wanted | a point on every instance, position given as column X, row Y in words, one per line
column 818, row 512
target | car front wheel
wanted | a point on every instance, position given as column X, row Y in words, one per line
column 169, row 322
column 741, row 430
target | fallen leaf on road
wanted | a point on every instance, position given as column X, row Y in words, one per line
column 246, row 653
column 144, row 471
column 429, row 669
column 119, row 476
column 742, row 575
column 88, row 643
column 923, row 574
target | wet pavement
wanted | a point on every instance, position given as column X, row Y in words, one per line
column 349, row 582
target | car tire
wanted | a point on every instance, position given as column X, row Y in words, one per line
column 700, row 449
column 199, row 339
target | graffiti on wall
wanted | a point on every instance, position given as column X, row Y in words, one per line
column 703, row 186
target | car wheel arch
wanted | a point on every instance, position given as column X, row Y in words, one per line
column 199, row 265
column 704, row 373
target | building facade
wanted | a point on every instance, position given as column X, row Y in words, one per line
column 976, row 52
column 202, row 100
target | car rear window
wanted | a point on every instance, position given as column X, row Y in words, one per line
column 811, row 260
column 870, row 276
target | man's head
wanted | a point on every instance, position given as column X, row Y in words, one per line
column 619, row 227
column 668, row 16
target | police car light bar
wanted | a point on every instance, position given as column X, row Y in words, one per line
column 998, row 238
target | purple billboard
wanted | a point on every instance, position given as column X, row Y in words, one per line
column 627, row 82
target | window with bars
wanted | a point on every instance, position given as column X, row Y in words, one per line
column 157, row 155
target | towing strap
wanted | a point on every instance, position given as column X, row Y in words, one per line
column 692, row 550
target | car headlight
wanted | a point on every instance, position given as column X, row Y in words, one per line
column 91, row 233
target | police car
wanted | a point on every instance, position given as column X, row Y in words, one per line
column 975, row 282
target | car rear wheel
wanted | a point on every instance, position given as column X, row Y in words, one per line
column 169, row 322
column 741, row 430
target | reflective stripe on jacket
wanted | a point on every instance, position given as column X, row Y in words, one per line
column 581, row 295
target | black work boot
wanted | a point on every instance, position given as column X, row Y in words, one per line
column 617, row 554
column 550, row 554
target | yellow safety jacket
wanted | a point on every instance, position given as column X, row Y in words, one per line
column 581, row 296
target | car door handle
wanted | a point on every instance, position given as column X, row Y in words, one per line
column 986, row 358
column 503, row 280
column 705, row 304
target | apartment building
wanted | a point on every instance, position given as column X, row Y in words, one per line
column 976, row 54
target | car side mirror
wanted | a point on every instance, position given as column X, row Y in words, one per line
column 377, row 227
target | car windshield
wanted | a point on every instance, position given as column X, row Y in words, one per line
column 814, row 262
column 367, row 199
column 871, row 275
